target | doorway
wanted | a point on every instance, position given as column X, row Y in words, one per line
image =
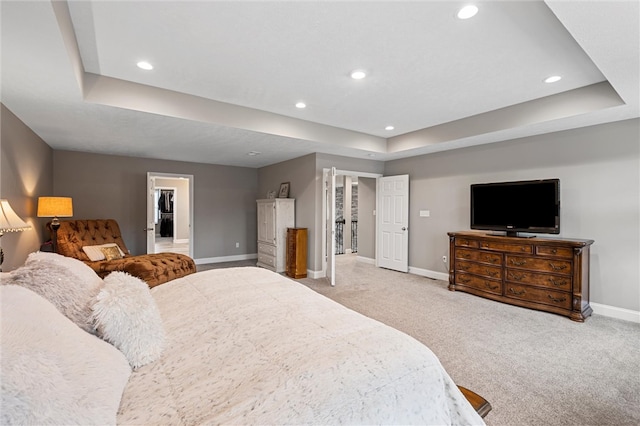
column 364, row 218
column 170, row 213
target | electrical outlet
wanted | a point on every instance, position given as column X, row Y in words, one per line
column 237, row 245
column 444, row 259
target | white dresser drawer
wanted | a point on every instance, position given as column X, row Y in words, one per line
column 267, row 260
column 267, row 249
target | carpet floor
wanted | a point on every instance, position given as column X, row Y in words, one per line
column 533, row 367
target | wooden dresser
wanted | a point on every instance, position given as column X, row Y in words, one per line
column 297, row 252
column 546, row 274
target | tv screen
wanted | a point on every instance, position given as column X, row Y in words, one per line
column 525, row 206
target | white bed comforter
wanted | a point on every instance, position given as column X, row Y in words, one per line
column 248, row 346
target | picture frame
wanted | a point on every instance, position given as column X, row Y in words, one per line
column 284, row 190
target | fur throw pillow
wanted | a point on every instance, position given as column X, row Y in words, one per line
column 126, row 316
column 52, row 371
column 69, row 284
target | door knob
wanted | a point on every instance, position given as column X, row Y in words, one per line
column 148, row 229
column 404, row 228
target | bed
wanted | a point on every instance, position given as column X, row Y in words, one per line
column 249, row 346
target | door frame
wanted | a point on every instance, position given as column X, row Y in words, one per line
column 325, row 176
column 151, row 176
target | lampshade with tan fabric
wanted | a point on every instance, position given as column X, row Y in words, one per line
column 55, row 207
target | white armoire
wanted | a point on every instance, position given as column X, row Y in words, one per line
column 274, row 217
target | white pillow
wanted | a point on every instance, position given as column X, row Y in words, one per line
column 52, row 371
column 126, row 316
column 94, row 253
column 69, row 284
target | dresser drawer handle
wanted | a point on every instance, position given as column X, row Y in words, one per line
column 464, row 267
column 523, row 249
column 464, row 280
column 488, row 285
column 518, row 263
column 557, row 268
column 554, row 251
column 490, row 259
column 517, row 276
column 557, row 299
column 558, row 283
column 466, row 255
column 485, row 245
column 490, row 272
column 517, row 293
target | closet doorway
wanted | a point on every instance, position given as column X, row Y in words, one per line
column 169, row 213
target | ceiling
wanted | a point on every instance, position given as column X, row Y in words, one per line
column 227, row 75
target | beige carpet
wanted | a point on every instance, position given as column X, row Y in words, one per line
column 534, row 368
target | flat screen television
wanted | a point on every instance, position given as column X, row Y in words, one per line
column 526, row 206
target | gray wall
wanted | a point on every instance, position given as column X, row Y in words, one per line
column 26, row 173
column 599, row 176
column 366, row 219
column 105, row 186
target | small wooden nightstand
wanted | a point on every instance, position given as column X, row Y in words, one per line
column 296, row 252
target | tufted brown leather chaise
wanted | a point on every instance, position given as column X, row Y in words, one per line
column 154, row 269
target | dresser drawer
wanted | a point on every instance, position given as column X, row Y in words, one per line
column 478, row 269
column 267, row 259
column 267, row 249
column 479, row 256
column 554, row 251
column 505, row 247
column 556, row 282
column 539, row 264
column 464, row 242
column 484, row 284
column 539, row 295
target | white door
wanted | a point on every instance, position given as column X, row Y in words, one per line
column 151, row 209
column 331, row 227
column 393, row 223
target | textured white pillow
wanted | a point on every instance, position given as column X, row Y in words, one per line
column 52, row 371
column 126, row 316
column 94, row 253
column 68, row 283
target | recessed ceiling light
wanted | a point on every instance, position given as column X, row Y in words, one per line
column 552, row 79
column 145, row 65
column 253, row 153
column 301, row 105
column 389, row 128
column 358, row 74
column 469, row 11
column 371, row 155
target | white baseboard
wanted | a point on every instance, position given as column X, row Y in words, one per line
column 366, row 260
column 615, row 312
column 180, row 240
column 429, row 274
column 315, row 274
column 221, row 259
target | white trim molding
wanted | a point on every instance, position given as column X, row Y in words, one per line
column 615, row 312
column 368, row 260
column 221, row 259
column 315, row 274
column 429, row 274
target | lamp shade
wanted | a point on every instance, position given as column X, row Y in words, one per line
column 55, row 207
column 9, row 220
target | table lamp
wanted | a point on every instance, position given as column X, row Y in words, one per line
column 55, row 207
column 9, row 222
